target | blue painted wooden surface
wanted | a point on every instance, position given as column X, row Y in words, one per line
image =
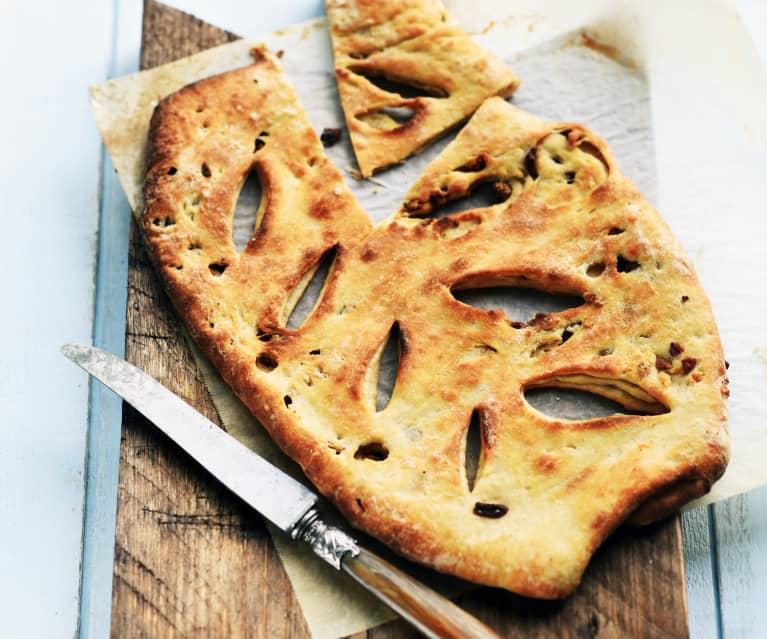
column 105, row 411
column 49, row 189
column 63, row 281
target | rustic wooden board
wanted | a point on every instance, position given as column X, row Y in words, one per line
column 190, row 560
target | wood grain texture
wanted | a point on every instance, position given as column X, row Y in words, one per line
column 191, row 561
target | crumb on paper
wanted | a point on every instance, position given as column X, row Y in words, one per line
column 589, row 41
column 380, row 183
column 585, row 39
column 330, row 136
column 353, row 172
column 280, row 53
column 532, row 20
column 761, row 352
column 483, row 30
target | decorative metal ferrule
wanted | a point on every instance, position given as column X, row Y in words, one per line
column 329, row 542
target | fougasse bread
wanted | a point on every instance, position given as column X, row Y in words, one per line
column 547, row 491
column 406, row 73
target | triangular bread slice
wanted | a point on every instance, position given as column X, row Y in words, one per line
column 379, row 46
column 547, row 491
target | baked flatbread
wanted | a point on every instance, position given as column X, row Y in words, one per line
column 380, row 46
column 547, row 491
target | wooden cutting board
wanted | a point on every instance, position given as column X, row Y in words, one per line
column 190, row 560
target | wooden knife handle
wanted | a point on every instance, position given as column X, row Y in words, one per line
column 431, row 613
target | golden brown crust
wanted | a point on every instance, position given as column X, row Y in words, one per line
column 417, row 43
column 547, row 491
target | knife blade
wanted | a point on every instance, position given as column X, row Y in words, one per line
column 282, row 500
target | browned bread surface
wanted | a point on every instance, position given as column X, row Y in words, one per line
column 418, row 44
column 547, row 491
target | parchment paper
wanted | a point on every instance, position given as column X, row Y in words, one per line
column 681, row 116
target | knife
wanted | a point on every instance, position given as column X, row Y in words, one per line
column 282, row 500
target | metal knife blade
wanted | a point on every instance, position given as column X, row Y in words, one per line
column 277, row 496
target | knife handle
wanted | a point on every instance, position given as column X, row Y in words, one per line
column 431, row 613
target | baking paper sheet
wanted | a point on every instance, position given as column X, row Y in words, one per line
column 682, row 116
